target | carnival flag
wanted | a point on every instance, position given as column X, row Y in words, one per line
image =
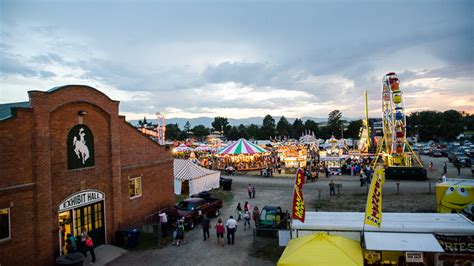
column 298, row 210
column 373, row 211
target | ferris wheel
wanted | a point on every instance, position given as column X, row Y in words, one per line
column 393, row 115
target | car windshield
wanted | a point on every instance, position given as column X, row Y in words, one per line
column 186, row 206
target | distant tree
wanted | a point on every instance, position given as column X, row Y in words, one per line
column 425, row 123
column 172, row 132
column 253, row 131
column 268, row 127
column 283, row 127
column 297, row 128
column 312, row 126
column 325, row 132
column 220, row 124
column 187, row 126
column 353, row 129
column 200, row 132
column 335, row 123
column 243, row 131
column 233, row 134
column 452, row 124
column 468, row 121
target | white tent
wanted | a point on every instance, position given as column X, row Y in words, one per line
column 199, row 179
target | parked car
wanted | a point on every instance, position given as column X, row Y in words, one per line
column 465, row 161
column 436, row 153
column 193, row 209
column 453, row 155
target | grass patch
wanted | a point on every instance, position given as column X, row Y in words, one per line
column 267, row 249
column 222, row 194
column 148, row 241
column 409, row 202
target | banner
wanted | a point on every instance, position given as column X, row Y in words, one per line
column 373, row 211
column 298, row 210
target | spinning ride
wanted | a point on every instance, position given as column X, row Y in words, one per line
column 397, row 154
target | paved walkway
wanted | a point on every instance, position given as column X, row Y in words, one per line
column 105, row 254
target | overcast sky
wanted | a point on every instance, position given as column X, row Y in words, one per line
column 211, row 58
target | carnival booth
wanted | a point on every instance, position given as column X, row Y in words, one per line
column 427, row 238
column 322, row 249
column 242, row 155
column 333, row 156
column 191, row 179
column 293, row 156
column 182, row 151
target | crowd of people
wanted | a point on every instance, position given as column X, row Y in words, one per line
column 245, row 214
column 82, row 243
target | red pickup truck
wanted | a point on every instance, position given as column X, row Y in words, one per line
column 193, row 209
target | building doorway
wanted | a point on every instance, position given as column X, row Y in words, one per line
column 83, row 210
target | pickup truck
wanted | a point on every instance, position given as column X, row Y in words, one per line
column 193, row 209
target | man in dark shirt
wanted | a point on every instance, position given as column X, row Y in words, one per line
column 206, row 224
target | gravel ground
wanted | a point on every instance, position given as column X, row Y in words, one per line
column 414, row 196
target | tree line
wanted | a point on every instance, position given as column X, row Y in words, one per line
column 439, row 126
column 427, row 125
column 269, row 128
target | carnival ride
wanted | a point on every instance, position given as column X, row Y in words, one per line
column 397, row 155
column 366, row 141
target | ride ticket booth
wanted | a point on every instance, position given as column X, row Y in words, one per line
column 82, row 210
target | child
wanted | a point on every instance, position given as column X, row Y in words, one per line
column 246, row 219
column 180, row 233
column 90, row 247
column 239, row 211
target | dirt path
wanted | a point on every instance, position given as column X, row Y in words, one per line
column 414, row 197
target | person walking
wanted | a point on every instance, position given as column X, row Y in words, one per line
column 246, row 206
column 256, row 215
column 445, row 168
column 239, row 211
column 249, row 190
column 73, row 241
column 431, row 167
column 332, row 188
column 231, row 225
column 90, row 247
column 457, row 163
column 253, row 192
column 247, row 220
column 220, row 232
column 83, row 246
column 206, row 224
column 180, row 233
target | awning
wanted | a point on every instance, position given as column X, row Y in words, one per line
column 401, row 242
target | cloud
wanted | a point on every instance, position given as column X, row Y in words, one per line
column 236, row 59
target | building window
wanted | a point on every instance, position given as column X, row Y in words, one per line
column 135, row 187
column 5, row 224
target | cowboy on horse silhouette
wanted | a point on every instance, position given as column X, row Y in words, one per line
column 80, row 147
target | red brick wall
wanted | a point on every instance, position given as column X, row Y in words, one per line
column 157, row 175
column 67, row 182
column 15, row 150
column 15, row 169
column 20, row 249
column 33, row 149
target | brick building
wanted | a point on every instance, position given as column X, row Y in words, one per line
column 69, row 161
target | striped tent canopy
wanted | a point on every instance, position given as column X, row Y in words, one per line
column 200, row 179
column 186, row 170
column 241, row 146
column 182, row 148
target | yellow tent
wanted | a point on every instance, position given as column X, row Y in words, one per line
column 322, row 249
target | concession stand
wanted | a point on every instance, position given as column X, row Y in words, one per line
column 419, row 238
